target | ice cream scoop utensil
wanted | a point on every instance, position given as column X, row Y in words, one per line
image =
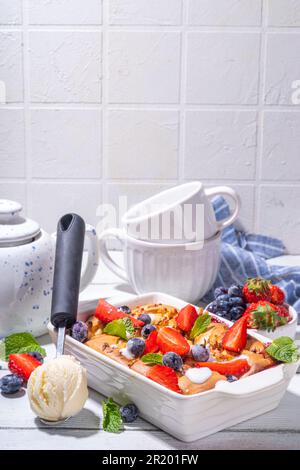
column 66, row 280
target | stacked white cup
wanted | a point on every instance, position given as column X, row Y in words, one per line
column 171, row 241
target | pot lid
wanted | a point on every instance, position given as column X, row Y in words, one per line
column 14, row 228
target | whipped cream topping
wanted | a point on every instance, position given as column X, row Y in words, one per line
column 198, row 375
column 126, row 353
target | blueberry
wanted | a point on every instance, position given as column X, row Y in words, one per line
column 124, row 309
column 236, row 301
column 236, row 312
column 231, row 378
column 147, row 329
column 219, row 291
column 221, row 313
column 79, row 331
column 136, row 347
column 10, row 383
column 235, row 291
column 172, row 360
column 223, row 305
column 145, row 318
column 129, row 413
column 200, row 353
column 212, row 307
column 37, row 356
column 223, row 297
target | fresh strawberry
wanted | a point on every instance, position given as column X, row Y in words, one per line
column 106, row 313
column 164, row 376
column 151, row 345
column 256, row 289
column 22, row 364
column 266, row 316
column 235, row 338
column 236, row 368
column 277, row 295
column 169, row 339
column 186, row 318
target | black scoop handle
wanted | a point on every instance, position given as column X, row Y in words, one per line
column 67, row 270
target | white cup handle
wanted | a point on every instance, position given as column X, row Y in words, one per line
column 92, row 247
column 105, row 256
column 226, row 191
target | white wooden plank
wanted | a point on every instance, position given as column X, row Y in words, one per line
column 152, row 440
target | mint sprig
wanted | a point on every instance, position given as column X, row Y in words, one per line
column 152, row 358
column 18, row 343
column 112, row 419
column 122, row 327
column 200, row 325
column 284, row 349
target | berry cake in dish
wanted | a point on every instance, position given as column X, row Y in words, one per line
column 186, row 350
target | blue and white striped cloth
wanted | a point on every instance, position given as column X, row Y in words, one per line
column 244, row 255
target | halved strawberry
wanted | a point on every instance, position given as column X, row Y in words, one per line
column 235, row 338
column 22, row 364
column 266, row 316
column 236, row 368
column 169, row 339
column 164, row 376
column 277, row 295
column 256, row 289
column 151, row 345
column 186, row 318
column 106, row 313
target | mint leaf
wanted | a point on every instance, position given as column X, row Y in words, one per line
column 284, row 349
column 152, row 358
column 2, row 351
column 129, row 326
column 200, row 325
column 122, row 327
column 20, row 343
column 112, row 419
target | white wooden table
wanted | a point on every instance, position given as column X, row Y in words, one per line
column 20, row 429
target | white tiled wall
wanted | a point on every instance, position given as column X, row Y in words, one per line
column 113, row 97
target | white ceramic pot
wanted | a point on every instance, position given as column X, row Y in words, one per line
column 26, row 266
column 184, row 270
column 181, row 214
column 186, row 417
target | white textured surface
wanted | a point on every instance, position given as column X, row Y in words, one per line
column 128, row 133
column 284, row 13
column 79, row 132
column 279, row 212
column 222, row 68
column 64, row 12
column 145, row 12
column 11, row 65
column 10, row 12
column 11, row 143
column 150, row 93
column 65, row 66
column 140, row 65
column 220, row 144
column 282, row 67
column 225, row 12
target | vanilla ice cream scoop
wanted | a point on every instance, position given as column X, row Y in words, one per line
column 58, row 388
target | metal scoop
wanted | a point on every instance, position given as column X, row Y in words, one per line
column 66, row 280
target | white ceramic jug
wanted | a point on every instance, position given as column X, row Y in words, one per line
column 26, row 267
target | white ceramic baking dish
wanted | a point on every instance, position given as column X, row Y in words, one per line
column 186, row 417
